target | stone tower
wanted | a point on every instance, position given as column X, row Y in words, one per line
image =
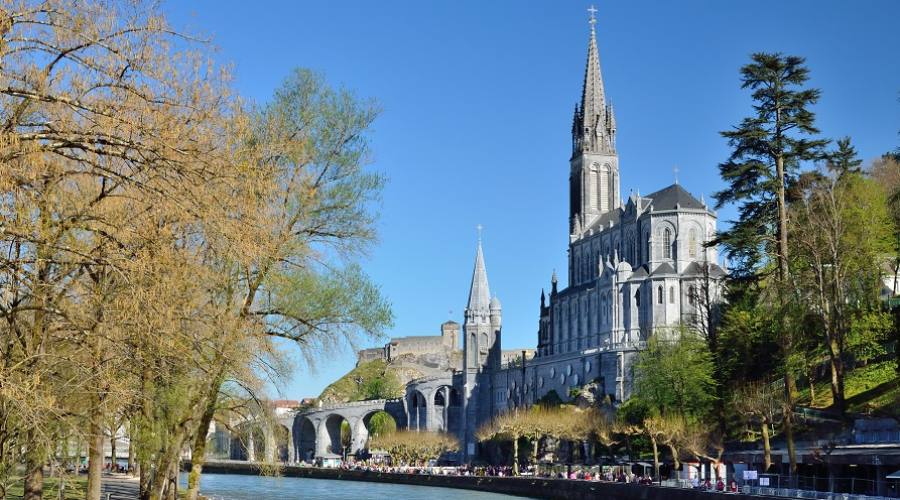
column 594, row 174
column 481, row 351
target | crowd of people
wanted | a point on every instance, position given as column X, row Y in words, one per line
column 613, row 475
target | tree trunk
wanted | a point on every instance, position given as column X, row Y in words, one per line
column 837, row 376
column 767, row 448
column 676, row 462
column 787, row 342
column 655, row 458
column 130, row 450
column 34, row 471
column 95, row 460
column 113, row 465
column 788, row 425
column 812, row 385
column 515, row 456
column 198, row 451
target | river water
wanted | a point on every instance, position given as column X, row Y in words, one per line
column 240, row 487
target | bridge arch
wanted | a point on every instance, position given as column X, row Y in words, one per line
column 447, row 409
column 418, row 409
column 305, row 432
column 337, row 438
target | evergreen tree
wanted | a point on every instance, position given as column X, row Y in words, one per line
column 768, row 149
column 844, row 160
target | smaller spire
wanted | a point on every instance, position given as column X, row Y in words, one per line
column 479, row 292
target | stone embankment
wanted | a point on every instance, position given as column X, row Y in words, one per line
column 557, row 489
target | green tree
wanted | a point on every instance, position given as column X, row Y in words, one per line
column 381, row 423
column 768, row 150
column 844, row 159
column 675, row 375
column 841, row 230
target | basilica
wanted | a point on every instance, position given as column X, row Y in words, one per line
column 636, row 268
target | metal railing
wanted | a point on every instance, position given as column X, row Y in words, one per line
column 811, row 487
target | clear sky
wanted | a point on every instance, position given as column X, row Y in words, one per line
column 478, row 98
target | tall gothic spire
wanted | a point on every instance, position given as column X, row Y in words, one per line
column 593, row 100
column 594, row 124
column 479, row 292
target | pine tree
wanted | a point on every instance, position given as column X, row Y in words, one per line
column 768, row 150
column 844, row 160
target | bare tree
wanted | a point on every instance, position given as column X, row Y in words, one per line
column 762, row 405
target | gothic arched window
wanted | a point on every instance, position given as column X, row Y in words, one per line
column 671, row 295
column 667, row 244
column 659, row 292
column 692, row 294
column 637, row 298
column 649, row 253
column 692, row 242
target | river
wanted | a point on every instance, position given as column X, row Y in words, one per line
column 241, row 487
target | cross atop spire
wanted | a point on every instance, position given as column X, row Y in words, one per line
column 593, row 12
column 479, row 227
column 479, row 292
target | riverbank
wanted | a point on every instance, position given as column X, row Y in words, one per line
column 554, row 489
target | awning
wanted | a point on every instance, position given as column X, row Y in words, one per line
column 895, row 475
column 645, row 464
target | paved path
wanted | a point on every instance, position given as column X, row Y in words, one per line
column 119, row 487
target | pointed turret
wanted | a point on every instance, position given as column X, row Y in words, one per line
column 479, row 292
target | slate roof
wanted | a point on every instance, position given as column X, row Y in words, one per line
column 694, row 269
column 664, row 268
column 640, row 272
column 602, row 222
column 667, row 198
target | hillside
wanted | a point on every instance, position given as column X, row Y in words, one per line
column 873, row 389
column 372, row 380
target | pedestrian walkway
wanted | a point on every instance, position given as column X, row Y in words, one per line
column 119, row 487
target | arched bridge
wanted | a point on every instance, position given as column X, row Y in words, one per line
column 317, row 431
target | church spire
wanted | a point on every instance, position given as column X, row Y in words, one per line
column 479, row 292
column 594, row 131
column 594, row 173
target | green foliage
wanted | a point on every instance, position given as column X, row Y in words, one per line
column 859, row 382
column 748, row 348
column 323, row 308
column 674, row 376
column 381, row 423
column 74, row 488
column 774, row 133
column 372, row 380
column 346, row 435
column 868, row 333
column 844, row 160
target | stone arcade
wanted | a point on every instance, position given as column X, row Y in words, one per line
column 636, row 268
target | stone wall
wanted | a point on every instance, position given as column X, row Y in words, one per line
column 560, row 489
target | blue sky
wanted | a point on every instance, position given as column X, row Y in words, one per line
column 478, row 98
